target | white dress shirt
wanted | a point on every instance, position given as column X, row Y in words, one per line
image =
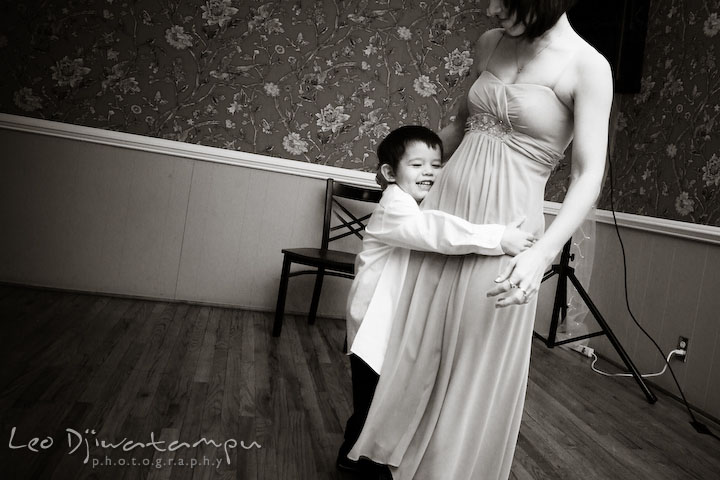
column 397, row 226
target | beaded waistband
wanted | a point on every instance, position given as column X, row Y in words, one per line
column 488, row 124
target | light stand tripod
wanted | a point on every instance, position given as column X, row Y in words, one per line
column 560, row 307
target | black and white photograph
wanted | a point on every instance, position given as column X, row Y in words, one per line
column 360, row 240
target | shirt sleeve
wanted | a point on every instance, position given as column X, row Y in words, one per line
column 402, row 224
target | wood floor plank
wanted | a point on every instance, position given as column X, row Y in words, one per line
column 211, row 426
column 161, row 464
column 313, row 392
column 190, row 431
column 133, row 328
column 160, row 359
column 178, row 379
column 53, row 465
column 82, row 355
column 20, row 307
column 39, row 420
column 122, row 403
column 533, row 460
column 14, row 348
column 157, row 409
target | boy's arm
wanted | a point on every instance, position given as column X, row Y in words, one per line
column 403, row 224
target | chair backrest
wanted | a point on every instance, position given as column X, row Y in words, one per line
column 349, row 223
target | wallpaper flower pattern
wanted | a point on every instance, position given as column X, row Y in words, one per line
column 323, row 81
column 667, row 150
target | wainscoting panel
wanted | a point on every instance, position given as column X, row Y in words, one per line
column 703, row 363
column 91, row 217
column 238, row 221
column 102, row 218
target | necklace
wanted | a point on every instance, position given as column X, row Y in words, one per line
column 517, row 63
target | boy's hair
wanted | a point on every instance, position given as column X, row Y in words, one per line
column 537, row 15
column 393, row 147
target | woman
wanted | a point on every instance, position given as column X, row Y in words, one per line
column 451, row 392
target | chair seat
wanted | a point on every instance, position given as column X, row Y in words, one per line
column 330, row 259
column 340, row 219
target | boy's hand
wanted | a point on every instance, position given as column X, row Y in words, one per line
column 515, row 240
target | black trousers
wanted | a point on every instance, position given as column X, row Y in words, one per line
column 364, row 382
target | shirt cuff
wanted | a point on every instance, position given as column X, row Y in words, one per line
column 488, row 238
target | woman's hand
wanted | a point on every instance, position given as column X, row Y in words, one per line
column 520, row 280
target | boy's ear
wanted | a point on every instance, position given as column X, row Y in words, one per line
column 386, row 171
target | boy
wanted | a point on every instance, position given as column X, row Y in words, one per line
column 409, row 158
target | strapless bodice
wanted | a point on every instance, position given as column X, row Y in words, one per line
column 529, row 118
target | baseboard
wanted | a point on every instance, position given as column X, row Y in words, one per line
column 234, row 306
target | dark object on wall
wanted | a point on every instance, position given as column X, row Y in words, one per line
column 617, row 29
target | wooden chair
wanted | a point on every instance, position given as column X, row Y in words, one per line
column 324, row 261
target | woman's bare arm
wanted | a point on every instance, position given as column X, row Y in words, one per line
column 592, row 102
column 453, row 133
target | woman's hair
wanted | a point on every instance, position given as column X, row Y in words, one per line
column 393, row 147
column 537, row 15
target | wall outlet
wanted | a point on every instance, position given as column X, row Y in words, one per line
column 682, row 345
column 583, row 350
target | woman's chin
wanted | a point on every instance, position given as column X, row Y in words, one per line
column 514, row 30
column 511, row 28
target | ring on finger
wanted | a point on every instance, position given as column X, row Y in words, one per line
column 512, row 285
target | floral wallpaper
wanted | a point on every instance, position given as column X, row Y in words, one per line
column 323, row 81
column 314, row 81
column 667, row 150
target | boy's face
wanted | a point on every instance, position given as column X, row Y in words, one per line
column 416, row 170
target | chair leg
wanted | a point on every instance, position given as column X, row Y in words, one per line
column 282, row 292
column 316, row 295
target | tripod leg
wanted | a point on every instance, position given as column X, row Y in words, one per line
column 560, row 304
column 559, row 309
column 651, row 398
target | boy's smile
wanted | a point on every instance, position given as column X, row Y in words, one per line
column 426, row 183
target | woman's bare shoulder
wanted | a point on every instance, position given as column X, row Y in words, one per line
column 489, row 39
column 589, row 61
column 590, row 70
column 485, row 45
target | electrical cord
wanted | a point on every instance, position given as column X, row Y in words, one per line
column 647, row 375
column 697, row 425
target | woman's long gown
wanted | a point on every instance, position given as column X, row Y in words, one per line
column 451, row 392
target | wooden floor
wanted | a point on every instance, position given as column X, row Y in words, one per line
column 136, row 371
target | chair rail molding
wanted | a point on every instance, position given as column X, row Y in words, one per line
column 686, row 230
column 184, row 150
